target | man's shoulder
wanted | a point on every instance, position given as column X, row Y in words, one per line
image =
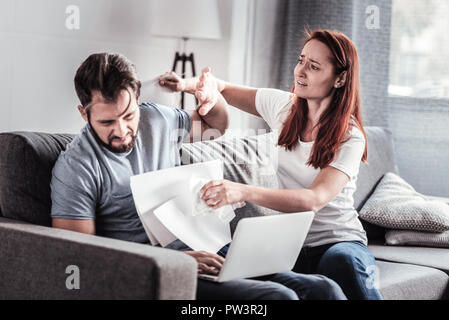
column 152, row 107
column 79, row 156
column 158, row 109
column 158, row 112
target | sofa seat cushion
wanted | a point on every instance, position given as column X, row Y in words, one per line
column 398, row 281
column 429, row 257
column 26, row 162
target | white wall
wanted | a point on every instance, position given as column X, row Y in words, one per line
column 39, row 55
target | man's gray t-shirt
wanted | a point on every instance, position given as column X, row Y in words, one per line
column 91, row 182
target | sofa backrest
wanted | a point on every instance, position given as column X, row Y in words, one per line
column 255, row 152
column 28, row 158
column 26, row 161
column 247, row 160
column 380, row 161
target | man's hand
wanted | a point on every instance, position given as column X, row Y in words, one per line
column 172, row 81
column 207, row 262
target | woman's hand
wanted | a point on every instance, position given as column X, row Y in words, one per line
column 207, row 262
column 206, row 92
column 218, row 193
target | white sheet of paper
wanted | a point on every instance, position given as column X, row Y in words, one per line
column 201, row 233
column 158, row 230
column 152, row 189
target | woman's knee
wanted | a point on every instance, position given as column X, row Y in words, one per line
column 342, row 258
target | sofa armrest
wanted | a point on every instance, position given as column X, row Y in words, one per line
column 34, row 261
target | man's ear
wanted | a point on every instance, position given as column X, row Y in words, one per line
column 83, row 113
column 341, row 80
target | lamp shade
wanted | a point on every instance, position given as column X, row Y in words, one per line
column 185, row 19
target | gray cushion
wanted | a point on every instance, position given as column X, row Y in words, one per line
column 260, row 148
column 416, row 238
column 428, row 257
column 396, row 205
column 26, row 161
column 410, row 282
column 246, row 160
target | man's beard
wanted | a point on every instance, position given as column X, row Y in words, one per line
column 122, row 149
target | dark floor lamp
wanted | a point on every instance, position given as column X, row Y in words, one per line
column 184, row 59
column 185, row 19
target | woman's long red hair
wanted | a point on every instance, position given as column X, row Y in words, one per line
column 335, row 121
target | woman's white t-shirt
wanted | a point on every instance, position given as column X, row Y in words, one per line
column 338, row 220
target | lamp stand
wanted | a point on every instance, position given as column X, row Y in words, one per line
column 184, row 59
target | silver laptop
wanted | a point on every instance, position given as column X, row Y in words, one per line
column 264, row 245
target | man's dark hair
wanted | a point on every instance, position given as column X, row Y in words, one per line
column 107, row 73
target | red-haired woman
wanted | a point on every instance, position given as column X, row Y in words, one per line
column 321, row 143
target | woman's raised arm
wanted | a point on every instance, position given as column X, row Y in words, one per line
column 241, row 97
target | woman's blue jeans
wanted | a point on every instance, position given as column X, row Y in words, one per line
column 350, row 264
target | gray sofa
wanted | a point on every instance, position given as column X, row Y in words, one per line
column 34, row 257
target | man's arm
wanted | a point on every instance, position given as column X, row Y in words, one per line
column 83, row 226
